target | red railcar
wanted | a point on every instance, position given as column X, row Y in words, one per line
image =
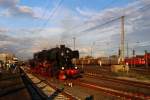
column 139, row 60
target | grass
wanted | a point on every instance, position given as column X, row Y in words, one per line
column 131, row 74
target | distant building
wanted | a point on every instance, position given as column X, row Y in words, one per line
column 109, row 60
column 6, row 57
column 113, row 59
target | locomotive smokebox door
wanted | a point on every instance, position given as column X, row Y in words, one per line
column 75, row 54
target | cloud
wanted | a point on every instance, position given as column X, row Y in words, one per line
column 8, row 3
column 3, row 30
column 37, row 32
column 24, row 42
column 135, row 20
column 24, row 10
column 20, row 11
column 12, row 9
column 136, row 24
column 86, row 12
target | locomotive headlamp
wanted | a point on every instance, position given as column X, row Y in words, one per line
column 67, row 51
column 62, row 54
column 62, row 68
column 76, row 67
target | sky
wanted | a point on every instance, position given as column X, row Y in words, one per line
column 28, row 26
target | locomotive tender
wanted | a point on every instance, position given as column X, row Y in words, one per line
column 56, row 62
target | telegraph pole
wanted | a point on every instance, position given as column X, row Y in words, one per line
column 92, row 47
column 122, row 39
column 74, row 41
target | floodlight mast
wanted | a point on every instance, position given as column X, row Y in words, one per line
column 122, row 40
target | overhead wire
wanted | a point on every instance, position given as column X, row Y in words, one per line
column 53, row 11
column 89, row 29
column 86, row 22
column 43, row 14
column 51, row 15
column 93, row 28
column 47, row 6
column 146, row 7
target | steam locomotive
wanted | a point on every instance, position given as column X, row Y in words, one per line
column 56, row 62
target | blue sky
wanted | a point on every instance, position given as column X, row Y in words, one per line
column 97, row 5
column 28, row 26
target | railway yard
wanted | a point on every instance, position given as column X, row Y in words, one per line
column 59, row 74
column 95, row 84
column 101, row 83
column 74, row 50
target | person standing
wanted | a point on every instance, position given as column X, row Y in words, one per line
column 127, row 67
column 100, row 63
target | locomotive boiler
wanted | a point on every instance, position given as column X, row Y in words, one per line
column 56, row 62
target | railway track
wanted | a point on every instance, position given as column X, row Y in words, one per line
column 106, row 70
column 141, row 71
column 107, row 90
column 139, row 88
column 120, row 94
column 52, row 92
column 122, row 81
column 97, row 69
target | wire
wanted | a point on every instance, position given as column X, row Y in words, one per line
column 51, row 15
column 46, row 7
column 95, row 27
column 86, row 22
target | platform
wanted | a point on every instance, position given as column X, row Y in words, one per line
column 12, row 87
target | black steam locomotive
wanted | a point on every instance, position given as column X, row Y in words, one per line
column 56, row 62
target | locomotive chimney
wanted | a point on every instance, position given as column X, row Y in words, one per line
column 62, row 46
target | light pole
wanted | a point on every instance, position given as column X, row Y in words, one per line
column 92, row 46
column 146, row 59
column 74, row 41
column 122, row 40
column 133, row 53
